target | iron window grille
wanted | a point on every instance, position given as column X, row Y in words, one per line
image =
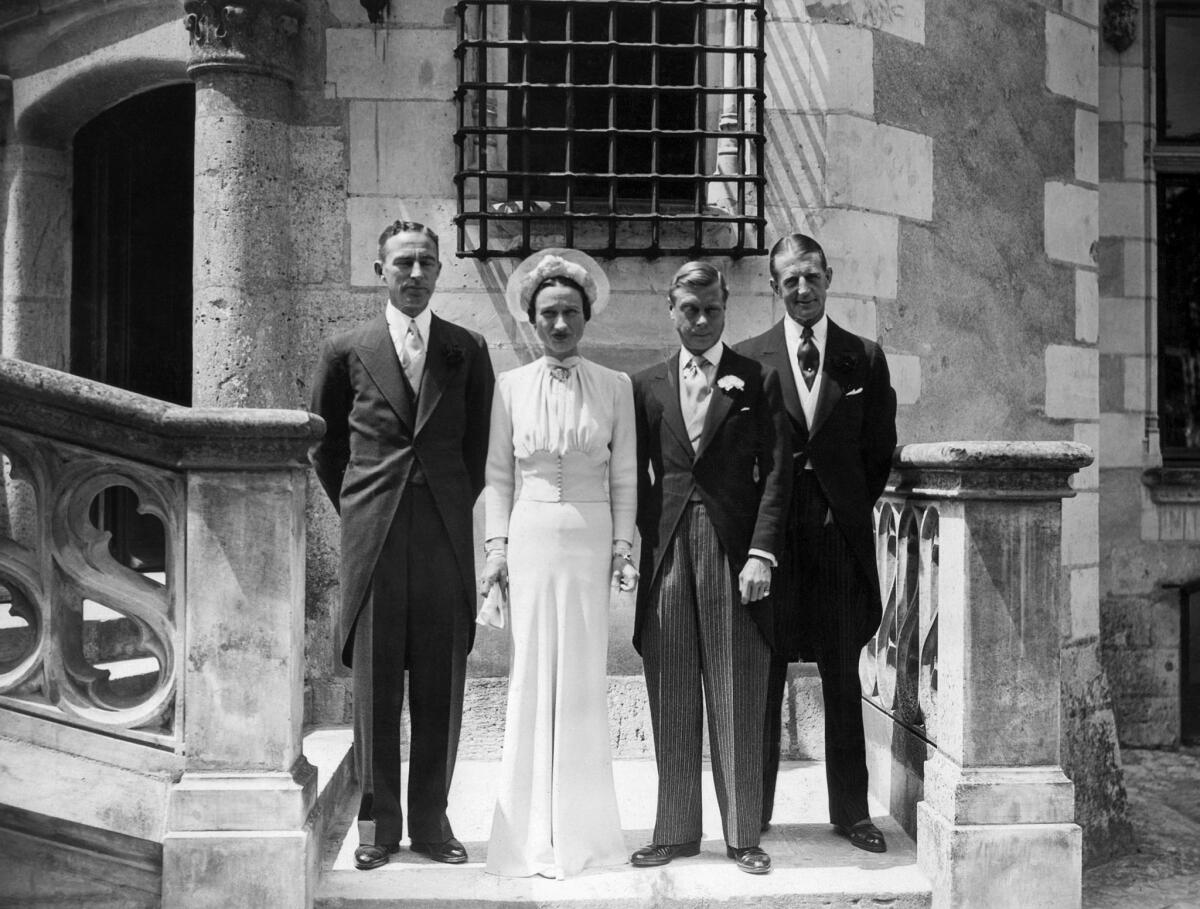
column 619, row 127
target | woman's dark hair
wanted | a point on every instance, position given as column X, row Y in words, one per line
column 558, row 281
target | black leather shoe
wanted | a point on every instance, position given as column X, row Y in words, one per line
column 370, row 855
column 659, row 853
column 864, row 835
column 451, row 852
column 752, row 859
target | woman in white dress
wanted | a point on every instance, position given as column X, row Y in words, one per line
column 560, row 505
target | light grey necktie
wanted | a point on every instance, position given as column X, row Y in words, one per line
column 412, row 356
column 695, row 397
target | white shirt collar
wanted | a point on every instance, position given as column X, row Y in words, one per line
column 713, row 355
column 398, row 322
column 793, row 329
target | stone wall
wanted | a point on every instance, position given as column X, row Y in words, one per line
column 960, row 215
column 1148, row 537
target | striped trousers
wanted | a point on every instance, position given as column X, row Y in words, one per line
column 702, row 649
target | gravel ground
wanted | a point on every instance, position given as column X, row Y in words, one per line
column 1164, row 870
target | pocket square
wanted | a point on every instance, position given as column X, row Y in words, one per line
column 856, row 391
column 744, row 410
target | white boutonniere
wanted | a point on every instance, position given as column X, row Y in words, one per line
column 730, row 384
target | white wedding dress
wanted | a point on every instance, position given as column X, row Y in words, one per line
column 561, row 485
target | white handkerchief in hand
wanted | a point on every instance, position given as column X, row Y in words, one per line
column 494, row 611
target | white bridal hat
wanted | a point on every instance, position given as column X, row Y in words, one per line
column 548, row 263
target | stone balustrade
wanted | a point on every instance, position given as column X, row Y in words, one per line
column 185, row 700
column 962, row 681
column 165, row 707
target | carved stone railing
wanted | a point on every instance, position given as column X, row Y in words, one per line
column 165, row 706
column 962, row 680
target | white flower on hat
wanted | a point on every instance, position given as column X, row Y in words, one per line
column 554, row 267
column 552, row 262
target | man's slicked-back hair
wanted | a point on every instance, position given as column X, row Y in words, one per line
column 797, row 245
column 697, row 276
column 405, row 227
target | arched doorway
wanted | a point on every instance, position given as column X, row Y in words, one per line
column 131, row 286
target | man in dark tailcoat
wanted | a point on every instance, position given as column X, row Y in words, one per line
column 714, row 476
column 842, row 411
column 406, row 399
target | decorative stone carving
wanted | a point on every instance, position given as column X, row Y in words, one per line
column 898, row 667
column 63, row 568
column 252, row 36
column 969, row 542
column 1173, row 485
column 67, row 440
column 1118, row 23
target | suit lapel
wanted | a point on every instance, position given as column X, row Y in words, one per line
column 719, row 403
column 436, row 373
column 666, row 386
column 378, row 356
column 831, row 388
column 775, row 354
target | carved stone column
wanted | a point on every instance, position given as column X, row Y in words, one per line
column 36, row 271
column 237, row 832
column 997, row 827
column 242, row 61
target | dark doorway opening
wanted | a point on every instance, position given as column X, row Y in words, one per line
column 131, row 292
column 1189, row 677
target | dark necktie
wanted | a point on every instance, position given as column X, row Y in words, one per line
column 808, row 357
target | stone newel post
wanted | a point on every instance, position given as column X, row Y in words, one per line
column 242, row 60
column 238, row 821
column 996, row 828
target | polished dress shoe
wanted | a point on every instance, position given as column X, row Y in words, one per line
column 659, row 854
column 751, row 859
column 370, row 855
column 451, row 851
column 864, row 835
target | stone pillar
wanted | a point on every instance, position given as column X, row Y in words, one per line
column 36, row 182
column 238, row 821
column 238, row 831
column 35, row 273
column 996, row 828
column 243, row 334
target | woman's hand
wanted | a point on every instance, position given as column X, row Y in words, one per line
column 495, row 571
column 624, row 575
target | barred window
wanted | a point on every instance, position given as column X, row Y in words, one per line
column 1177, row 175
column 620, row 127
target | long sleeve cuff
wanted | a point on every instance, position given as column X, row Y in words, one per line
column 763, row 554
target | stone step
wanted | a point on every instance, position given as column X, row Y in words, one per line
column 812, row 865
column 330, row 750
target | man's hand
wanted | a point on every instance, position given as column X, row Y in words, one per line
column 754, row 582
column 495, row 571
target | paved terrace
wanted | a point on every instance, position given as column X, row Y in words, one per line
column 812, row 865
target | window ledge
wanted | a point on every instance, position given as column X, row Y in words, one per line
column 1174, row 485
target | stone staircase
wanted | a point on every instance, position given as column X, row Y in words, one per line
column 812, row 865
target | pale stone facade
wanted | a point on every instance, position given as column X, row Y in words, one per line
column 975, row 170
